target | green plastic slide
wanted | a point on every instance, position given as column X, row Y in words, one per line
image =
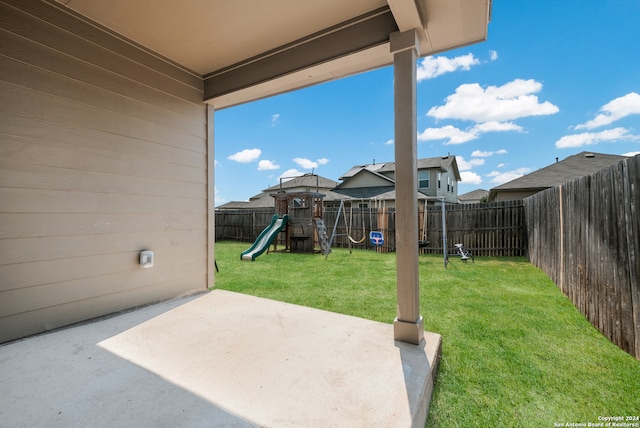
column 265, row 238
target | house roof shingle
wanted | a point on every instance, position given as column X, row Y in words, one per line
column 571, row 168
column 306, row 180
column 444, row 163
column 378, row 192
column 474, row 195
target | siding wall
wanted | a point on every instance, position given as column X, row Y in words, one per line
column 512, row 195
column 365, row 180
column 103, row 152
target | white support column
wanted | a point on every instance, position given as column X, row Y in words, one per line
column 211, row 215
column 408, row 325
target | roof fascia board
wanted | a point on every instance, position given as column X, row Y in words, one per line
column 359, row 62
column 366, row 171
column 354, row 36
column 456, row 170
column 452, row 24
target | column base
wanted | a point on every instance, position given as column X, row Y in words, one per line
column 409, row 332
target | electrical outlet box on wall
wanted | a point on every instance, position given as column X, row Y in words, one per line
column 146, row 259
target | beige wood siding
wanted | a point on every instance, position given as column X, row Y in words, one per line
column 365, row 180
column 512, row 195
column 103, row 152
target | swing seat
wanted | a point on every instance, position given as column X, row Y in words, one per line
column 356, row 242
column 376, row 238
column 422, row 244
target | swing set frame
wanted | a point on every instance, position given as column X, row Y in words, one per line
column 348, row 227
column 422, row 240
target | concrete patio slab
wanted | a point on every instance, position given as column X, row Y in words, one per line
column 219, row 359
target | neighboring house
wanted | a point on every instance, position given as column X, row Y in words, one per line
column 303, row 183
column 107, row 130
column 261, row 200
column 474, row 197
column 437, row 178
column 568, row 169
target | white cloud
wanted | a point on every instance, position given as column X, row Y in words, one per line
column 389, row 143
column 614, row 110
column 431, row 66
column 455, row 135
column 274, row 119
column 468, row 177
column 464, row 165
column 590, row 138
column 449, row 132
column 323, row 161
column 246, row 155
column 218, row 200
column 481, row 154
column 493, row 55
column 265, row 165
column 502, row 165
column 305, row 163
column 503, row 177
column 497, row 127
column 630, row 154
column 290, row 173
column 510, row 101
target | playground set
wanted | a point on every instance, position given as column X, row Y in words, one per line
column 299, row 217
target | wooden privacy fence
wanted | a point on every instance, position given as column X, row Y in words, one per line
column 585, row 236
column 242, row 225
column 493, row 229
column 487, row 229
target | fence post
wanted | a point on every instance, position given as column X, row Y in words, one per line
column 561, row 241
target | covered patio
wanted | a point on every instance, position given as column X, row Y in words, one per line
column 218, row 359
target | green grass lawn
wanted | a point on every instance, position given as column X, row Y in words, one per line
column 516, row 352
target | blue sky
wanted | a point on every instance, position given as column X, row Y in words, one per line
column 554, row 78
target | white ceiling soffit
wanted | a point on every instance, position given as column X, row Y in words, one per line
column 442, row 25
column 209, row 35
column 251, row 49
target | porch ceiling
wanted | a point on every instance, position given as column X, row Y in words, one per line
column 248, row 49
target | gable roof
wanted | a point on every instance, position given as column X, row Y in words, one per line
column 307, row 180
column 373, row 167
column 443, row 163
column 261, row 200
column 265, row 198
column 363, row 172
column 378, row 192
column 571, row 168
column 474, row 195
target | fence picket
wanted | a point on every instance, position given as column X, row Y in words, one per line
column 600, row 248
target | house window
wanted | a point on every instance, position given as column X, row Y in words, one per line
column 423, row 179
column 439, row 179
column 363, row 205
column 448, row 184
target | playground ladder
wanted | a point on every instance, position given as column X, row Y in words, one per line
column 322, row 236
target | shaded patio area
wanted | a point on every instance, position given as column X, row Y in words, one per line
column 219, row 359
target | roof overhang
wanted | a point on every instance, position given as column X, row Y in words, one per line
column 247, row 49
